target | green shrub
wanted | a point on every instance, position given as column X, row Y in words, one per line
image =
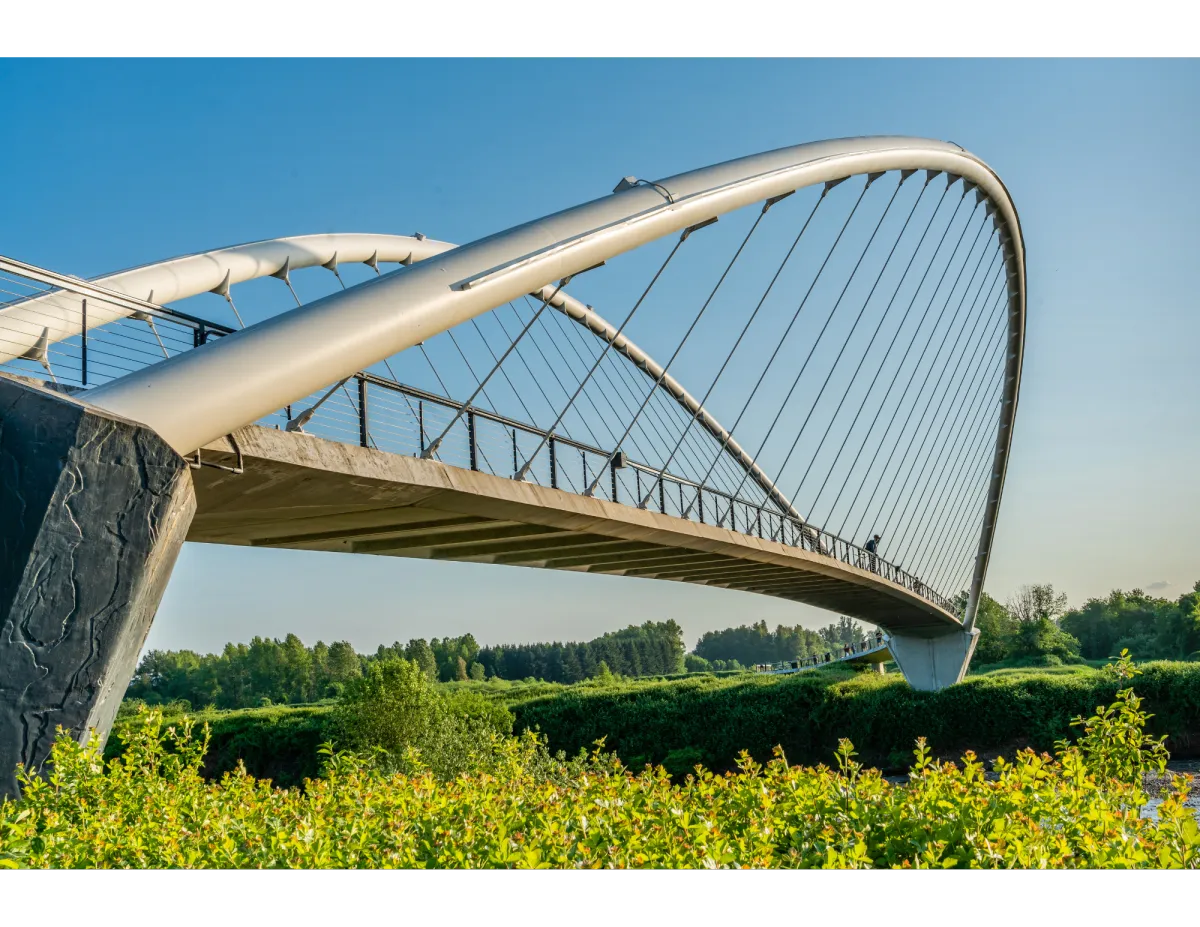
column 395, row 709
column 808, row 713
column 523, row 808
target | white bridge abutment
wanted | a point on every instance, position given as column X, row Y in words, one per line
column 930, row 663
column 93, row 512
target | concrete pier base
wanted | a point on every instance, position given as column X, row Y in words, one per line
column 93, row 511
column 933, row 663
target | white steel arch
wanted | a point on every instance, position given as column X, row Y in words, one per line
column 198, row 396
column 56, row 316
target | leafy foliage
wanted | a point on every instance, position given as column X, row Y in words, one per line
column 807, row 713
column 520, row 807
column 396, row 710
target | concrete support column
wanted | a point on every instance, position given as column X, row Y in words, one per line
column 932, row 663
column 93, row 511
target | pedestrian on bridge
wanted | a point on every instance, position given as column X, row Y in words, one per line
column 872, row 549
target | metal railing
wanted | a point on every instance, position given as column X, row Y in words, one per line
column 378, row 412
column 825, row 658
column 78, row 333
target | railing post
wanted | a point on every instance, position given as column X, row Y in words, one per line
column 662, row 496
column 83, row 336
column 700, row 502
column 421, row 423
column 199, row 335
column 516, row 463
column 363, row 437
column 612, row 467
column 553, row 464
column 471, row 438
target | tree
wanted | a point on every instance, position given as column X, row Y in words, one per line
column 1041, row 637
column 419, row 652
column 460, row 669
column 344, row 664
column 846, row 631
column 1032, row 602
column 475, row 671
column 997, row 629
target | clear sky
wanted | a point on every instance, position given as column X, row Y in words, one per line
column 113, row 164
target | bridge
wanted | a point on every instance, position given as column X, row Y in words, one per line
column 849, row 315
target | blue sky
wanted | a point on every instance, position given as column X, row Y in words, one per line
column 113, row 164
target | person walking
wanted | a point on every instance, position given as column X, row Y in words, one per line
column 872, row 549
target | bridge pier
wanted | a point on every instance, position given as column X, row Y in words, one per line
column 93, row 512
column 933, row 663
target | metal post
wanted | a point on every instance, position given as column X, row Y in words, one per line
column 637, row 479
column 662, row 497
column 421, row 422
column 516, row 463
column 84, row 337
column 363, row 437
column 583, row 461
column 199, row 335
column 700, row 500
column 553, row 465
column 613, row 472
column 471, row 437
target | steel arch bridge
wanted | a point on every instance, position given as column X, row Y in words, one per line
column 164, row 418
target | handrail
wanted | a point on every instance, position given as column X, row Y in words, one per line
column 95, row 291
column 818, row 540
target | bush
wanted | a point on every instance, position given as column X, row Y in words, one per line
column 527, row 809
column 808, row 713
column 395, row 709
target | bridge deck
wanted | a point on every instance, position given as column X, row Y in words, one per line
column 303, row 492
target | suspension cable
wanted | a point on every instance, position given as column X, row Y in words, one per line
column 949, row 508
column 682, row 342
column 853, row 329
column 608, row 344
column 825, row 327
column 721, row 455
column 945, row 442
column 928, row 374
column 824, row 192
column 937, row 416
column 466, row 405
column 903, row 359
column 571, row 327
column 891, row 344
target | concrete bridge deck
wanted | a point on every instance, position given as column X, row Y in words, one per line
column 304, row 492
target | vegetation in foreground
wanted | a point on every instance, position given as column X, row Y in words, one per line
column 707, row 719
column 515, row 805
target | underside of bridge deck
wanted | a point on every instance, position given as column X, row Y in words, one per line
column 303, row 492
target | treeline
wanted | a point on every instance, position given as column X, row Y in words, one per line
column 734, row 648
column 654, row 648
column 1036, row 624
column 266, row 671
